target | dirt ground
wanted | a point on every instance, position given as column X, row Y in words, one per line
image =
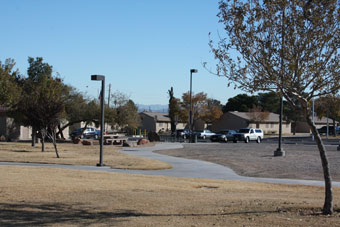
column 36, row 196
column 257, row 160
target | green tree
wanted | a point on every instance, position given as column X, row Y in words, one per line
column 289, row 47
column 9, row 88
column 241, row 103
column 42, row 101
column 124, row 113
column 80, row 109
column 127, row 116
column 174, row 109
column 269, row 101
column 328, row 106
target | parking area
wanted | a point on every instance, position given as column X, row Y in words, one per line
column 302, row 160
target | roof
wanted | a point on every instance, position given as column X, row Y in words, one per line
column 323, row 120
column 159, row 116
column 271, row 117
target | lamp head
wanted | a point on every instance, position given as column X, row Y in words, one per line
column 97, row 77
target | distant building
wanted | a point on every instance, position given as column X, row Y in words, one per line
column 157, row 122
column 268, row 122
column 303, row 127
column 11, row 131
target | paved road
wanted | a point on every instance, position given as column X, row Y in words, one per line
column 181, row 167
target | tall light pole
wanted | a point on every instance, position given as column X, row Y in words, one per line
column 279, row 151
column 102, row 97
column 313, row 117
column 190, row 113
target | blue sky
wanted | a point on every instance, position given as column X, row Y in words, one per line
column 142, row 47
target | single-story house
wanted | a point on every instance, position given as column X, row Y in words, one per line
column 268, row 122
column 9, row 130
column 157, row 122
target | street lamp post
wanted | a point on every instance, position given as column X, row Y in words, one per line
column 279, row 151
column 190, row 113
column 102, row 96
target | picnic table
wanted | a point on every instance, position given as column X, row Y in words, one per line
column 115, row 139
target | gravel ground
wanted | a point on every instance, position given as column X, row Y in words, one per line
column 257, row 160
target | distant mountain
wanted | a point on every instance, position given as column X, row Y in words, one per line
column 153, row 108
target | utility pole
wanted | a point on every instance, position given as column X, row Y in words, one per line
column 108, row 98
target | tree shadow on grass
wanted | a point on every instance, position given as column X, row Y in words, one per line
column 51, row 213
column 20, row 151
column 24, row 214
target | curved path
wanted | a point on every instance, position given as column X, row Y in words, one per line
column 181, row 167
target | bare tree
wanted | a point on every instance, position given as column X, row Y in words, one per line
column 257, row 115
column 289, row 47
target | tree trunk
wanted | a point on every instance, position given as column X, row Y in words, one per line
column 54, row 139
column 173, row 126
column 34, row 136
column 328, row 205
column 334, row 128
column 52, row 134
column 42, row 145
column 60, row 132
column 43, row 135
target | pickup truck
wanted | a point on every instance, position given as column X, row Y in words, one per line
column 248, row 134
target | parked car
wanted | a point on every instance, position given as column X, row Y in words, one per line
column 87, row 133
column 184, row 133
column 323, row 130
column 204, row 134
column 248, row 134
column 223, row 136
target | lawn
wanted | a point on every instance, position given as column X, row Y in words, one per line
column 31, row 196
column 76, row 154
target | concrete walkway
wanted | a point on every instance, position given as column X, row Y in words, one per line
column 181, row 167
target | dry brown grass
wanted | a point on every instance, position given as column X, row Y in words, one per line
column 48, row 196
column 76, row 154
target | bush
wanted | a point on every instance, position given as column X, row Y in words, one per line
column 153, row 137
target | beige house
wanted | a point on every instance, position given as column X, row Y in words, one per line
column 157, row 122
column 10, row 131
column 268, row 122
